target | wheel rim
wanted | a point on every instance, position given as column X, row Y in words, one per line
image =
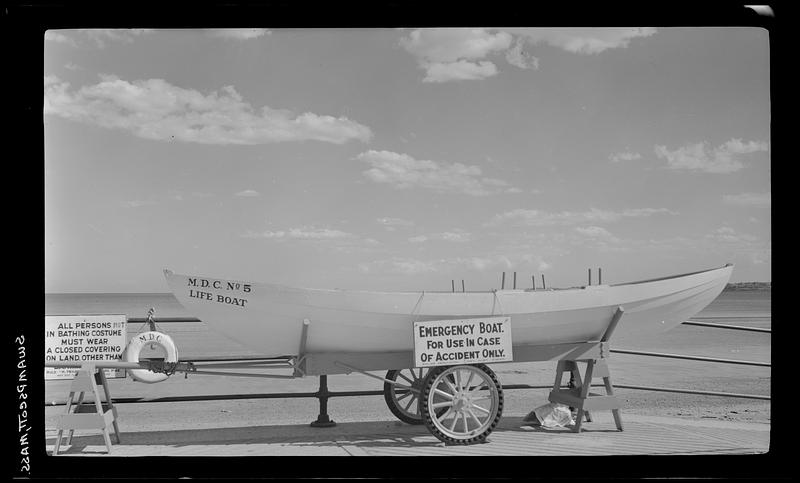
column 470, row 398
column 406, row 391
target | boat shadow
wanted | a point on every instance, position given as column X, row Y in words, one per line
column 372, row 434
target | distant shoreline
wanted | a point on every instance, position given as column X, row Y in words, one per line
column 749, row 286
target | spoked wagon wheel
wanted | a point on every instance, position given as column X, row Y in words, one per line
column 462, row 404
column 403, row 397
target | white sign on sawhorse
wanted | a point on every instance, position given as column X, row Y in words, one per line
column 86, row 380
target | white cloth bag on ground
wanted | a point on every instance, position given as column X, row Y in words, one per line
column 552, row 415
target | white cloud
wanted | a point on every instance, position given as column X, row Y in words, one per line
column 100, row 36
column 624, row 156
column 55, row 36
column 583, row 40
column 404, row 266
column 453, row 236
column 457, row 236
column 395, row 222
column 448, row 54
column 516, row 56
column 302, row 233
column 523, row 217
column 155, row 109
column 758, row 199
column 171, row 196
column 727, row 234
column 322, row 238
column 248, row 193
column 402, row 171
column 238, row 34
column 456, row 53
column 602, row 239
column 699, row 157
column 138, row 203
column 459, row 70
column 594, row 231
column 449, row 45
column 737, row 245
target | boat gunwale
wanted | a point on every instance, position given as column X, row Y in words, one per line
column 495, row 291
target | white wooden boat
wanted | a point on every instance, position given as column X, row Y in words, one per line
column 268, row 318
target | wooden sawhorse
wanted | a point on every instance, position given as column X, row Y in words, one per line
column 579, row 396
column 87, row 380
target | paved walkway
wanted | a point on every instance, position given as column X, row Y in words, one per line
column 643, row 435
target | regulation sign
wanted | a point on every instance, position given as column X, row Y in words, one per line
column 83, row 338
column 462, row 341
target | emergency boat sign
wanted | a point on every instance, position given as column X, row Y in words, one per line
column 462, row 341
column 83, row 338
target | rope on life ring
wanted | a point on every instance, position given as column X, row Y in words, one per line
column 136, row 345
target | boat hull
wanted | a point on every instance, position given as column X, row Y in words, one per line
column 269, row 318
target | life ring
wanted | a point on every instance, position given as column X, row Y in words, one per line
column 135, row 347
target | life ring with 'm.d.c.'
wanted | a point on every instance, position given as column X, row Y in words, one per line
column 135, row 347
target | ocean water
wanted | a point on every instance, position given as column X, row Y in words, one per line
column 134, row 305
column 740, row 303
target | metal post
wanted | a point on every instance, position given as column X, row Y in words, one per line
column 515, row 280
column 462, row 285
column 590, row 276
column 544, row 287
column 453, row 284
column 599, row 276
column 503, row 283
column 323, row 420
column 533, row 282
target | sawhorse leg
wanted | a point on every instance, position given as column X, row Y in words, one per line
column 104, row 382
column 576, row 385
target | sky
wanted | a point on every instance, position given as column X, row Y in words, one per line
column 403, row 159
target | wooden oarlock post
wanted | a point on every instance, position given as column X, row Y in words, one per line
column 579, row 396
column 86, row 380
